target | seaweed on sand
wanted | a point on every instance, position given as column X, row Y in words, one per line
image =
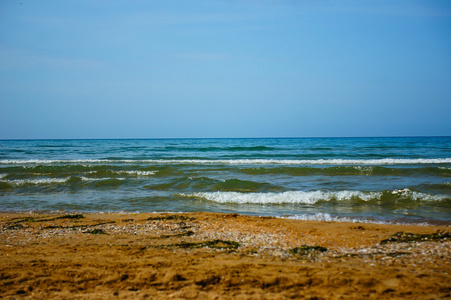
column 306, row 249
column 185, row 233
column 76, row 226
column 170, row 217
column 15, row 227
column 95, row 231
column 76, row 216
column 33, row 219
column 406, row 237
column 215, row 244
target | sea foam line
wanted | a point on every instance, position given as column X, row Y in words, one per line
column 46, row 181
column 132, row 172
column 312, row 197
column 383, row 161
column 18, row 182
column 83, row 178
column 291, row 197
column 328, row 218
column 137, row 173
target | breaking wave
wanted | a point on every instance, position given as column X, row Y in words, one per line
column 39, row 181
column 313, row 197
column 383, row 161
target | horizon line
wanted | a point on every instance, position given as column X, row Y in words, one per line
column 225, row 138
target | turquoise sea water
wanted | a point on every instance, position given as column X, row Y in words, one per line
column 377, row 179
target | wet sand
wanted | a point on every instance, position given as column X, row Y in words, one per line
column 218, row 256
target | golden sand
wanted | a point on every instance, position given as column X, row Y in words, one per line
column 218, row 256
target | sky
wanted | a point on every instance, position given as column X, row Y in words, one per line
column 224, row 68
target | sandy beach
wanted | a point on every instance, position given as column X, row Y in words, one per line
column 218, row 256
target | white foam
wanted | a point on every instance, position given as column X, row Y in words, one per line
column 418, row 195
column 19, row 182
column 98, row 179
column 3, row 175
column 364, row 170
column 292, row 197
column 137, row 173
column 312, row 197
column 323, row 217
column 89, row 179
column 328, row 218
column 384, row 161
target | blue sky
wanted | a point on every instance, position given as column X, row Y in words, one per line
column 224, row 68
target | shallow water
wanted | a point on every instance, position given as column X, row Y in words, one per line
column 381, row 179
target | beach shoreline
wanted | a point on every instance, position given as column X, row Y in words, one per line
column 218, row 256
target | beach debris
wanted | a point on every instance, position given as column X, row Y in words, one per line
column 215, row 244
column 306, row 249
column 24, row 220
column 170, row 217
column 358, row 227
column 33, row 219
column 95, row 231
column 76, row 216
column 185, row 233
column 76, row 226
column 406, row 237
column 15, row 227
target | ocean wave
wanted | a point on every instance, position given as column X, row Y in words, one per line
column 291, row 197
column 383, row 161
column 123, row 172
column 50, row 181
column 346, row 170
column 83, row 178
column 418, row 196
column 137, row 173
column 194, row 183
column 230, row 149
column 39, row 181
column 313, row 197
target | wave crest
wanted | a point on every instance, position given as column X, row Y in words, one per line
column 383, row 161
column 313, row 197
column 291, row 197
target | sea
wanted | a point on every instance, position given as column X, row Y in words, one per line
column 379, row 180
